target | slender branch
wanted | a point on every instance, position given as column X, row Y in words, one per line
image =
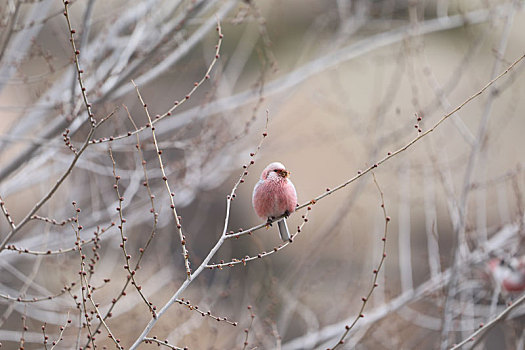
column 83, row 41
column 365, row 299
column 171, row 194
column 263, row 254
column 482, row 331
column 52, row 221
column 84, row 290
column 46, row 337
column 162, row 343
column 77, row 64
column 131, row 272
column 95, row 239
column 62, row 329
column 35, row 300
column 150, row 193
column 87, row 292
column 204, row 313
column 247, row 330
column 6, row 214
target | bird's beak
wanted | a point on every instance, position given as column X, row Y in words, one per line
column 284, row 173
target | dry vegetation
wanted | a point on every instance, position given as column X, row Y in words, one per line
column 132, row 134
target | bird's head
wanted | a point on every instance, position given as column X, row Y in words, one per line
column 275, row 170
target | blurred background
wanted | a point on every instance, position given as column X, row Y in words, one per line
column 342, row 83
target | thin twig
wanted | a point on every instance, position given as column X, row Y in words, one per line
column 148, row 188
column 24, row 329
column 247, row 330
column 84, row 290
column 163, row 343
column 6, row 214
column 374, row 285
column 263, row 254
column 87, row 292
column 482, row 331
column 62, row 329
column 35, row 300
column 45, row 335
column 171, row 194
column 95, row 239
column 131, row 273
column 83, row 41
column 195, row 308
column 77, row 65
column 52, row 221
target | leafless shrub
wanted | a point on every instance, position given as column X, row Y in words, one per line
column 132, row 134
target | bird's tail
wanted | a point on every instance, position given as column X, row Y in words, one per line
column 283, row 230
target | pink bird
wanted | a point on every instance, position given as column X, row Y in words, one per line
column 509, row 275
column 274, row 195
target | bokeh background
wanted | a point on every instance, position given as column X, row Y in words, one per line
column 339, row 84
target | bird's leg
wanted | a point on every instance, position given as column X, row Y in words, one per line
column 269, row 222
column 286, row 213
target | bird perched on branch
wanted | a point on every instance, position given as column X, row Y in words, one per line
column 274, row 195
column 510, row 275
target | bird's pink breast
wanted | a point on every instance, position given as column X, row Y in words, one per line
column 514, row 286
column 515, row 282
column 274, row 198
